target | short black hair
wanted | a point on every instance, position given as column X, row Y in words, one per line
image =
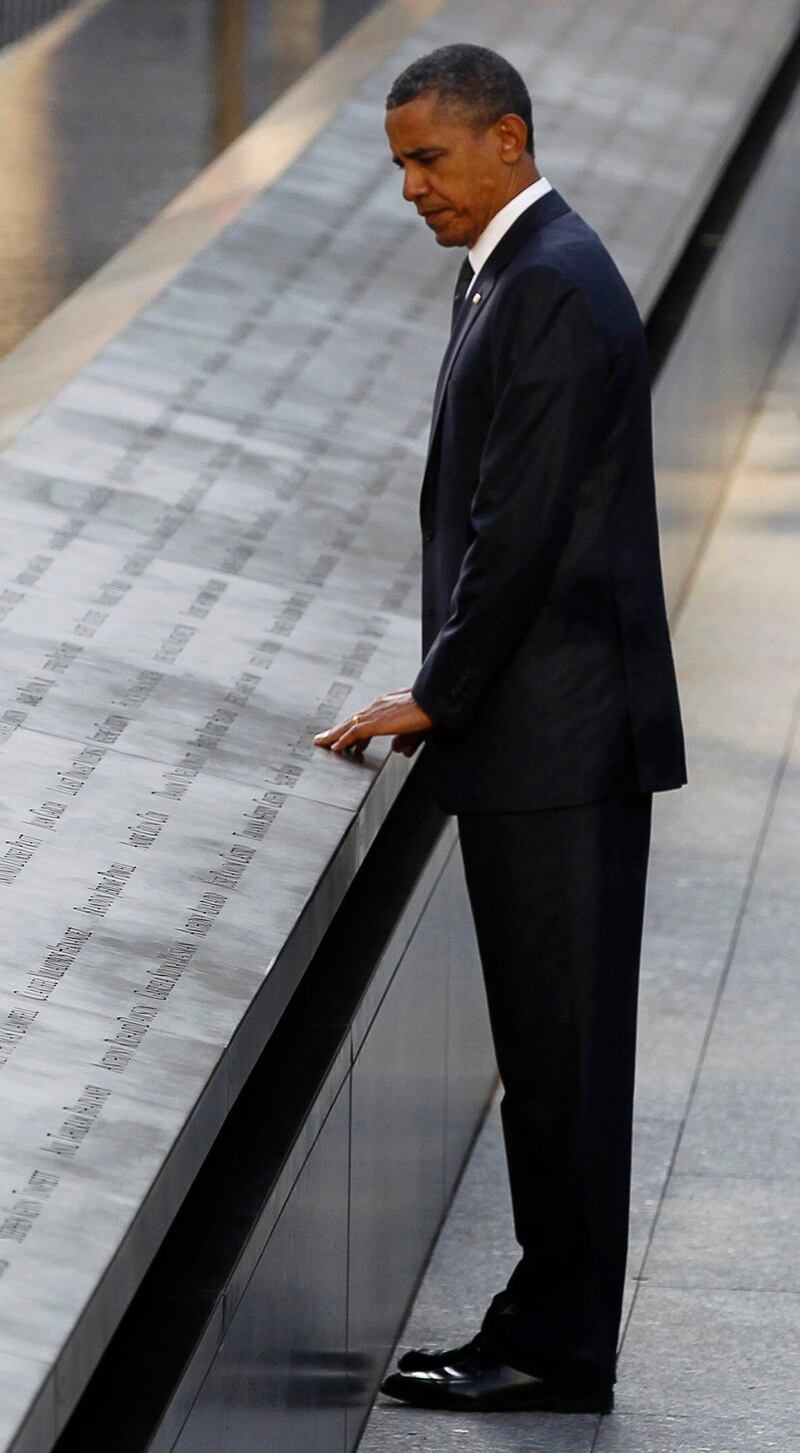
column 477, row 82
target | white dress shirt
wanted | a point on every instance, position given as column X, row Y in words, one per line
column 500, row 223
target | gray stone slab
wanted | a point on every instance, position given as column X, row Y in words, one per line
column 744, row 1119
column 706, row 1355
column 393, row 1427
column 676, row 1433
column 653, row 1146
column 718, row 1231
column 693, row 898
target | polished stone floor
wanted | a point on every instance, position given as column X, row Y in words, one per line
column 708, row 1360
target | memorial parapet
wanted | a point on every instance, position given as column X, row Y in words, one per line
column 188, row 596
column 209, row 554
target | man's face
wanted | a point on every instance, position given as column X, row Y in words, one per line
column 454, row 174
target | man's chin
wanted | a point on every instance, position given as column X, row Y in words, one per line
column 449, row 237
column 447, row 228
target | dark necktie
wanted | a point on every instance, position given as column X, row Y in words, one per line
column 465, row 272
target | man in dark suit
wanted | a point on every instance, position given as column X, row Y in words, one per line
column 548, row 702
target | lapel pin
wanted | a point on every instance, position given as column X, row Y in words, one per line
column 476, row 298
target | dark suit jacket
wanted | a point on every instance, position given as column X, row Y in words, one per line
column 547, row 661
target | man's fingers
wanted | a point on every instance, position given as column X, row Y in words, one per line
column 396, row 713
column 335, row 735
column 356, row 735
column 332, row 735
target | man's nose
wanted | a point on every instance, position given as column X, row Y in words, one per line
column 414, row 184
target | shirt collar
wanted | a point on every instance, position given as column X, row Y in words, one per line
column 504, row 219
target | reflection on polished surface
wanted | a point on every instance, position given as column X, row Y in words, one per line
column 33, row 275
column 107, row 116
column 295, row 32
column 229, row 89
column 51, row 355
column 19, row 17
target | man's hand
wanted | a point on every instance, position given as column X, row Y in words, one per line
column 394, row 715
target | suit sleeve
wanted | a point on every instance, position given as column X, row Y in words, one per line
column 551, row 370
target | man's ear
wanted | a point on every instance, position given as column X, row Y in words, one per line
column 512, row 134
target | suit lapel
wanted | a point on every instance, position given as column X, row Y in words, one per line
column 467, row 313
column 551, row 205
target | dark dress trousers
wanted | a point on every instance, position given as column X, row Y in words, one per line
column 548, row 672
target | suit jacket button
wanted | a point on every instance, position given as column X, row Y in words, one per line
column 427, row 536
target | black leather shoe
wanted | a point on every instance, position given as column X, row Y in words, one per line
column 474, row 1383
